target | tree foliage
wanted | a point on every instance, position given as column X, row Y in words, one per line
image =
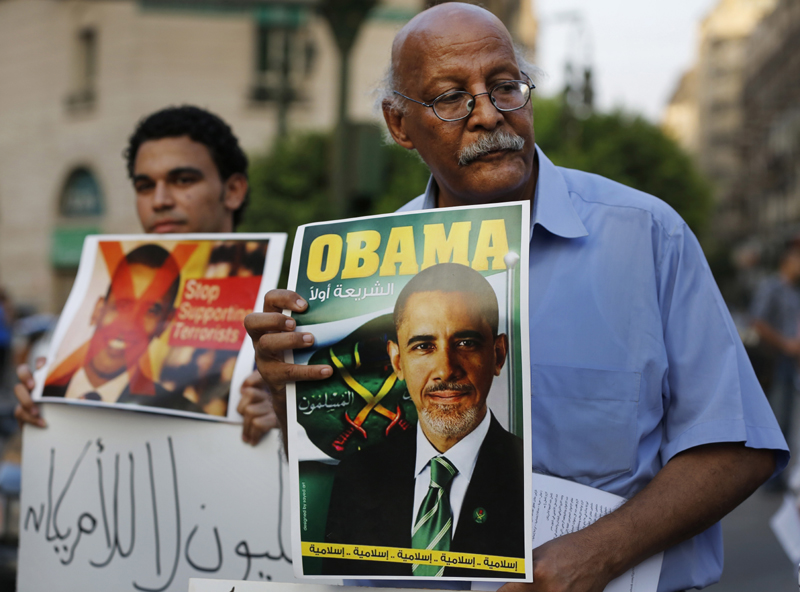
column 290, row 185
column 627, row 149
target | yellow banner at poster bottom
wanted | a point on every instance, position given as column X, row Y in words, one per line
column 399, row 555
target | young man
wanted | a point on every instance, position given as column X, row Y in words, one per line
column 640, row 384
column 189, row 175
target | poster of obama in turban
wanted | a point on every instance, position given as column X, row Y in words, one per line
column 156, row 324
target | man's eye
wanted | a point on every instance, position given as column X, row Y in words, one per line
column 451, row 99
column 506, row 88
column 186, row 180
column 421, row 346
column 142, row 187
column 467, row 343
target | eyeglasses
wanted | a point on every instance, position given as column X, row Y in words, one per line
column 508, row 95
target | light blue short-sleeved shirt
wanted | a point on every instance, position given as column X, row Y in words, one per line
column 634, row 357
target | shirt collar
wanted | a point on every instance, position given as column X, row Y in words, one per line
column 552, row 206
column 109, row 391
column 463, row 455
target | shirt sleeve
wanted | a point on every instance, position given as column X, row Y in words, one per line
column 710, row 391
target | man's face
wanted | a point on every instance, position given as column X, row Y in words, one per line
column 446, row 354
column 179, row 189
column 136, row 310
column 471, row 54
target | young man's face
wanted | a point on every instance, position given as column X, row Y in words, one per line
column 179, row 189
column 135, row 311
column 448, row 357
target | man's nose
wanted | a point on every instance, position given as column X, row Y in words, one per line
column 162, row 196
column 448, row 366
column 484, row 114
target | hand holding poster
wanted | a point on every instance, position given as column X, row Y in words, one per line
column 157, row 324
column 411, row 459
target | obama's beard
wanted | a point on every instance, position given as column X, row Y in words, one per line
column 450, row 421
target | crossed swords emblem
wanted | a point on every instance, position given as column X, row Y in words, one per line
column 373, row 403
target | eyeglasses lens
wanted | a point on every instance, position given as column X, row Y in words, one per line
column 507, row 96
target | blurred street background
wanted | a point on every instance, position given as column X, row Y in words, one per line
column 694, row 101
column 754, row 560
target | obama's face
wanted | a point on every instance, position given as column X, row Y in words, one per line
column 448, row 356
column 137, row 309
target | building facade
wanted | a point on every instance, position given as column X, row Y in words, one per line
column 78, row 74
column 705, row 113
column 768, row 190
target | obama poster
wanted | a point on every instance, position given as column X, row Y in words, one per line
column 411, row 460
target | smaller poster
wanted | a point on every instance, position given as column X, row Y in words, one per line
column 156, row 324
column 412, row 460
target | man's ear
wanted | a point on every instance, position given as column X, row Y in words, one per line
column 500, row 352
column 235, row 191
column 395, row 121
column 394, row 356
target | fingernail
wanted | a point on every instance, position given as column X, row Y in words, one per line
column 41, row 423
column 327, row 371
column 291, row 324
column 35, row 411
column 308, row 338
column 301, row 303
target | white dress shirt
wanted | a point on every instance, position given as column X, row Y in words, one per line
column 109, row 391
column 463, row 456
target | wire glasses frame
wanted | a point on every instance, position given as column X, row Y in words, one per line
column 453, row 102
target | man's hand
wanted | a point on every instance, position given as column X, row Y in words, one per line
column 255, row 407
column 27, row 411
column 772, row 337
column 273, row 333
column 569, row 563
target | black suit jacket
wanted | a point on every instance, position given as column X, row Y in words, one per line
column 372, row 503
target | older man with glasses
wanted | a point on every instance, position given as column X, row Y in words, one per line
column 640, row 385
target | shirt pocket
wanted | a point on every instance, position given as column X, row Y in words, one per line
column 583, row 421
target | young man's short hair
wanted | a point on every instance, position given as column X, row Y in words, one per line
column 202, row 127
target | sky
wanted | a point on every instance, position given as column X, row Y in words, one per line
column 638, row 49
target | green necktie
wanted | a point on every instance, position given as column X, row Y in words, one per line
column 433, row 528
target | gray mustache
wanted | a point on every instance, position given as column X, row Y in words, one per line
column 489, row 142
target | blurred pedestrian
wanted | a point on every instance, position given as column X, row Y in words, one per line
column 775, row 313
column 6, row 321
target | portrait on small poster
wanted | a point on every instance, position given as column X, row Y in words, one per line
column 157, row 324
column 412, row 459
